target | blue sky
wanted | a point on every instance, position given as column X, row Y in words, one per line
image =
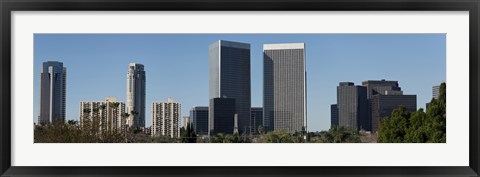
column 176, row 66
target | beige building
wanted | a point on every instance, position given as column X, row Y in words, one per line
column 105, row 115
column 186, row 121
column 166, row 118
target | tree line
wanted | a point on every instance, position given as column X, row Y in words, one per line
column 417, row 127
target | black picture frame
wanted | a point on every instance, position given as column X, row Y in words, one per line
column 8, row 6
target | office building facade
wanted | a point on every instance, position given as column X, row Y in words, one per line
column 221, row 116
column 333, row 115
column 136, row 95
column 284, row 87
column 379, row 87
column 256, row 119
column 383, row 106
column 229, row 76
column 352, row 106
column 166, row 118
column 53, row 78
column 199, row 118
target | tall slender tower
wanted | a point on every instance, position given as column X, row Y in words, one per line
column 136, row 95
column 230, row 77
column 53, row 78
column 284, row 87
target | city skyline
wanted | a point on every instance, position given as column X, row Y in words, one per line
column 191, row 88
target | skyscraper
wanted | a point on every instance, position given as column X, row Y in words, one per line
column 230, row 77
column 436, row 91
column 166, row 118
column 257, row 118
column 333, row 115
column 199, row 118
column 53, row 80
column 222, row 117
column 384, row 104
column 136, row 95
column 106, row 115
column 375, row 87
column 378, row 87
column 284, row 87
column 352, row 106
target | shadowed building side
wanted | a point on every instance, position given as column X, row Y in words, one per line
column 199, row 119
column 333, row 115
column 221, row 120
column 257, row 119
column 352, row 105
column 383, row 106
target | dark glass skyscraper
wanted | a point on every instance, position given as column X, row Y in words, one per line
column 221, row 119
column 352, row 106
column 383, row 106
column 284, row 87
column 375, row 87
column 230, row 77
column 334, row 115
column 199, row 118
column 378, row 87
column 53, row 79
column 257, row 118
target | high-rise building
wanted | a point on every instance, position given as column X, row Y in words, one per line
column 199, row 118
column 334, row 115
column 383, row 106
column 352, row 106
column 375, row 87
column 136, row 95
column 284, row 87
column 166, row 118
column 257, row 118
column 105, row 115
column 379, row 87
column 53, row 83
column 186, row 121
column 230, row 77
column 221, row 116
column 436, row 91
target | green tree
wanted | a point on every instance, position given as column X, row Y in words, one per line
column 393, row 129
column 336, row 135
column 416, row 127
column 72, row 122
column 188, row 134
column 278, row 136
column 261, row 129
